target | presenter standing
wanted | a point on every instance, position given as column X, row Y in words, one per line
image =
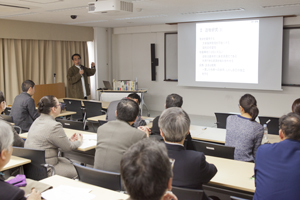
column 78, row 86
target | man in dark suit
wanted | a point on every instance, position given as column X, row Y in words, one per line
column 78, row 85
column 18, row 142
column 23, row 110
column 277, row 171
column 115, row 137
column 190, row 169
column 7, row 191
column 111, row 110
column 173, row 100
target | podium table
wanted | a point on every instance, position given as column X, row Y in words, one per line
column 112, row 95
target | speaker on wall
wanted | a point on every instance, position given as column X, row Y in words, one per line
column 154, row 63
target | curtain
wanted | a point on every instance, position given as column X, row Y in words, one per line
column 36, row 60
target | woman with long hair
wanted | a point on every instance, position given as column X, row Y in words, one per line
column 243, row 132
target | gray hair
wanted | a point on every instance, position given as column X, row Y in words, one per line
column 175, row 124
column 6, row 136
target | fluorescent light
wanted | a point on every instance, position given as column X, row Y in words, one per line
column 65, row 9
column 87, row 22
column 283, row 5
column 16, row 15
column 142, row 17
column 213, row 11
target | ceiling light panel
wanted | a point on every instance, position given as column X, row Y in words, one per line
column 6, row 8
column 142, row 17
column 87, row 22
column 282, row 5
column 214, row 11
column 18, row 15
column 67, row 9
column 42, row 1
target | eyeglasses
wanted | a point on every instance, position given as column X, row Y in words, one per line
column 58, row 105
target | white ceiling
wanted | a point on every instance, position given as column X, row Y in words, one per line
column 146, row 12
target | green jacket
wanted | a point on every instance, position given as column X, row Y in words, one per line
column 74, row 81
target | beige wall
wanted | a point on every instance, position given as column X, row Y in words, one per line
column 131, row 59
column 12, row 29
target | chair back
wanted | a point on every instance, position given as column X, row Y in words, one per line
column 77, row 125
column 185, row 193
column 93, row 109
column 74, row 105
column 7, row 118
column 7, row 110
column 212, row 149
column 101, row 122
column 109, row 180
column 221, row 119
column 273, row 125
column 35, row 169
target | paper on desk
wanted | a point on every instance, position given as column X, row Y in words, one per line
column 89, row 140
column 64, row 192
column 88, row 143
column 89, row 136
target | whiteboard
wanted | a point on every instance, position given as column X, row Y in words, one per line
column 171, row 57
column 291, row 57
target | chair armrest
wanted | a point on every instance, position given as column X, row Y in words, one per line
column 18, row 127
column 51, row 166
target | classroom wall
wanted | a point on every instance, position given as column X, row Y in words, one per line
column 131, row 59
column 12, row 29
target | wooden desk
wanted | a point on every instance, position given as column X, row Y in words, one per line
column 104, row 104
column 65, row 113
column 88, row 142
column 233, row 174
column 208, row 134
column 99, row 192
column 218, row 135
column 103, row 118
column 15, row 162
column 96, row 118
column 234, row 178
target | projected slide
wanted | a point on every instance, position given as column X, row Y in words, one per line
column 227, row 51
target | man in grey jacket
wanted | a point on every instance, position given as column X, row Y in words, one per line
column 115, row 137
column 23, row 109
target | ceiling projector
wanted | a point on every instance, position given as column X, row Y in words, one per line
column 106, row 6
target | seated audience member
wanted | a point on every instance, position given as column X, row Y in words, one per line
column 173, row 100
column 147, row 172
column 115, row 137
column 277, row 172
column 111, row 110
column 18, row 142
column 7, row 191
column 23, row 109
column 296, row 106
column 243, row 132
column 190, row 168
column 47, row 134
